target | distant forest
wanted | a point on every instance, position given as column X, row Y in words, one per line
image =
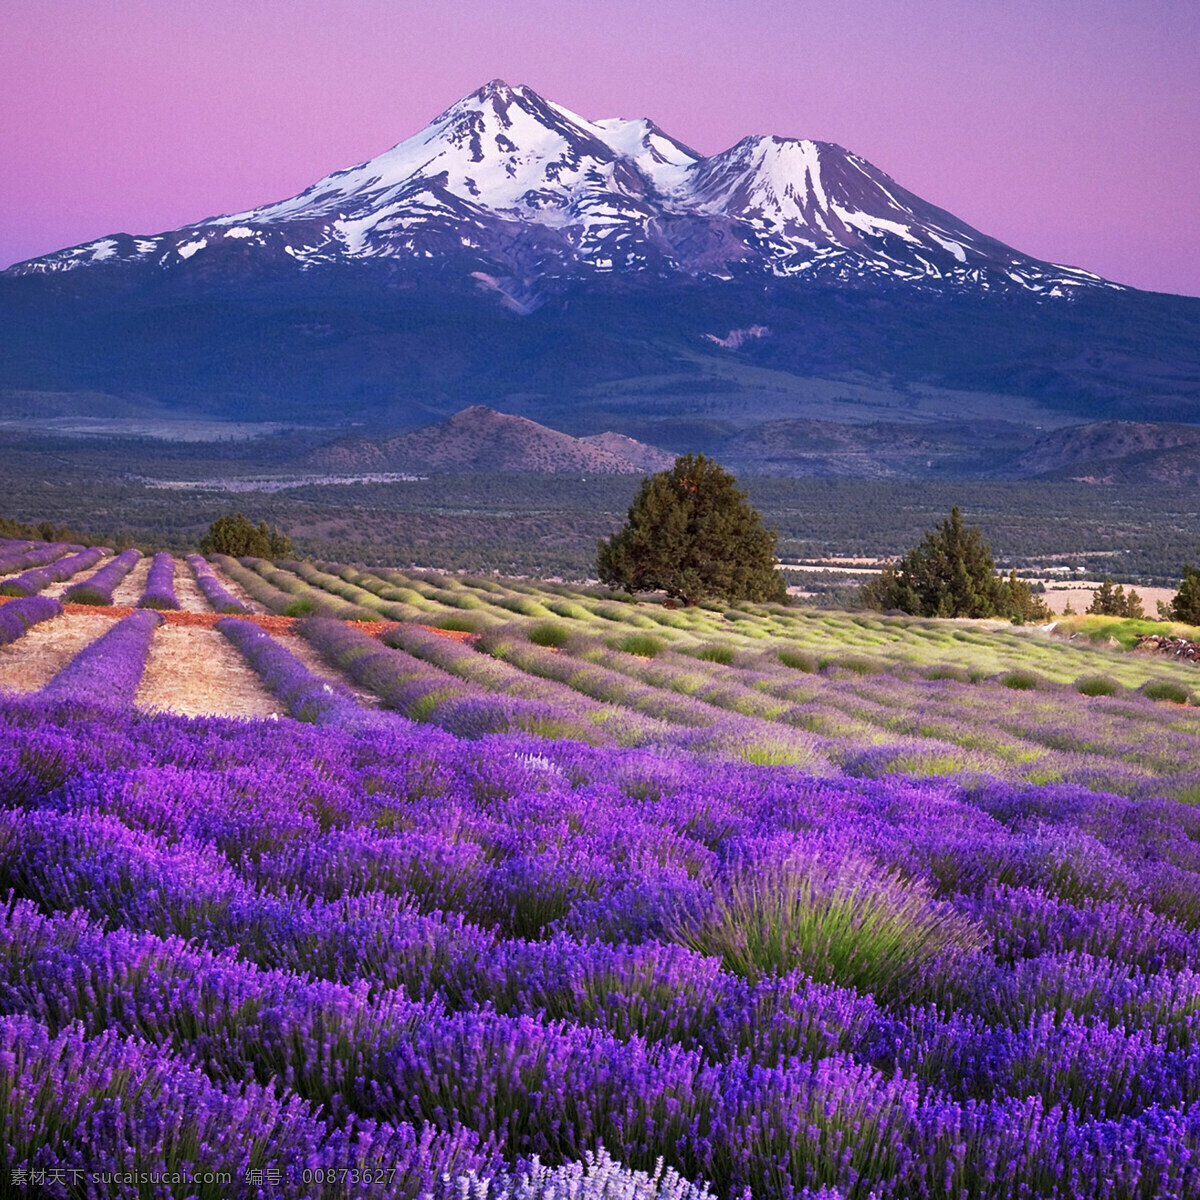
column 548, row 526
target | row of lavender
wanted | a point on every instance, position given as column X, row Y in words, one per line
column 17, row 556
column 61, row 567
column 36, row 566
column 333, row 947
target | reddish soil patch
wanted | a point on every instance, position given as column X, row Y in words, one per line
column 455, row 635
column 272, row 624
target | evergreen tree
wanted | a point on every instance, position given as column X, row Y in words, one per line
column 691, row 534
column 1186, row 604
column 1020, row 603
column 950, row 574
column 237, row 536
column 1110, row 600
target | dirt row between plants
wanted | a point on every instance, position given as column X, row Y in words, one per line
column 192, row 668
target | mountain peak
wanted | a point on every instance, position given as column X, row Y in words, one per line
column 518, row 193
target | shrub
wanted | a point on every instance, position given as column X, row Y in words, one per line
column 1020, row 681
column 18, row 615
column 98, row 589
column 856, row 664
column 549, row 634
column 948, row 671
column 459, row 624
column 1097, row 685
column 718, row 654
column 850, row 922
column 644, row 645
column 799, row 660
column 160, row 584
column 1165, row 689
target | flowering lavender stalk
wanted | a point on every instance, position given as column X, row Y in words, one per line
column 160, row 584
column 98, row 589
column 29, row 583
column 307, row 697
column 108, row 670
column 18, row 615
column 219, row 598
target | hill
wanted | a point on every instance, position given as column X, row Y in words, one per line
column 1121, row 452
column 480, row 439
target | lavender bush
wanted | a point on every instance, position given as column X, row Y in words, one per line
column 16, row 616
column 160, row 584
column 98, row 589
column 20, row 556
column 219, row 597
column 108, row 670
column 307, row 697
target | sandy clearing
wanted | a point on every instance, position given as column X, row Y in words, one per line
column 29, row 663
column 198, row 672
column 129, row 590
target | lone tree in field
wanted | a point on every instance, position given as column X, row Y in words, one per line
column 692, row 535
column 1185, row 606
column 952, row 574
column 236, row 536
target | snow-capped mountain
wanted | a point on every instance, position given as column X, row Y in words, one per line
column 518, row 192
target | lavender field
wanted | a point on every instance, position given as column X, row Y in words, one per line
column 533, row 891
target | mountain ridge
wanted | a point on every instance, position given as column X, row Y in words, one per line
column 600, row 275
column 521, row 191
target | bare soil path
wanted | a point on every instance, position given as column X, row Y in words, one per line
column 129, row 591
column 187, row 590
column 29, row 663
column 198, row 672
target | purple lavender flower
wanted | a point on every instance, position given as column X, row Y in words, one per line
column 18, row 615
column 219, row 597
column 29, row 583
column 98, row 589
column 307, row 697
column 107, row 671
column 160, row 584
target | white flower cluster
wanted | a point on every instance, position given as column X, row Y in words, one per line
column 598, row 1177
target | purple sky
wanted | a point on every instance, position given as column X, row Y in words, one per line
column 1067, row 128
